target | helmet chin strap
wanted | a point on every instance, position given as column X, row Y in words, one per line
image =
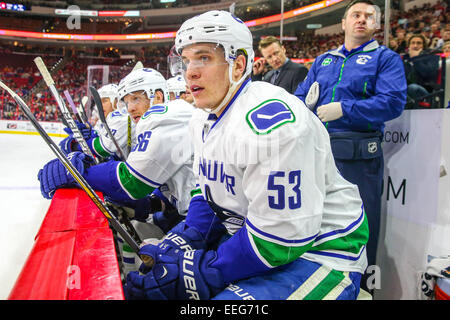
column 151, row 102
column 151, row 97
column 231, row 90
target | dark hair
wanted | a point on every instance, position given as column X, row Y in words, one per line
column 418, row 35
column 352, row 3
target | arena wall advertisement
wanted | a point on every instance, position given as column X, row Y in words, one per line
column 54, row 129
column 415, row 218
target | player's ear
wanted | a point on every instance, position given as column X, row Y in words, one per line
column 159, row 97
column 239, row 67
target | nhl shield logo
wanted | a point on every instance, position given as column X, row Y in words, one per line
column 372, row 147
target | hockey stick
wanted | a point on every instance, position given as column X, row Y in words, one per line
column 72, row 105
column 137, row 66
column 62, row 106
column 129, row 135
column 82, row 109
column 73, row 171
column 101, row 114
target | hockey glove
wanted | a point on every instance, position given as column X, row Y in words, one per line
column 167, row 219
column 85, row 131
column 180, row 238
column 134, row 209
column 70, row 144
column 54, row 174
column 138, row 209
column 183, row 238
column 177, row 276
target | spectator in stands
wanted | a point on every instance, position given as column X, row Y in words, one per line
column 401, row 40
column 393, row 45
column 284, row 73
column 426, row 33
column 446, row 47
column 421, row 69
column 370, row 91
column 416, row 45
column 445, row 37
column 435, row 30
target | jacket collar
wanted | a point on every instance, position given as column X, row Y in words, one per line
column 368, row 46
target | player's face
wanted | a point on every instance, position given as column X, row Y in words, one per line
column 137, row 104
column 107, row 106
column 275, row 55
column 206, row 74
column 360, row 22
column 187, row 96
column 172, row 96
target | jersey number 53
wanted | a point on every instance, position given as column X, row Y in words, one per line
column 286, row 186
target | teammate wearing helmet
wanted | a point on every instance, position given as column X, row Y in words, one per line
column 161, row 158
column 178, row 90
column 295, row 228
column 119, row 123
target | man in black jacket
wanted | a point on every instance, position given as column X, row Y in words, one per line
column 284, row 73
column 421, row 70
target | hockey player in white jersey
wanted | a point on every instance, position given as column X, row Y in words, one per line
column 178, row 90
column 118, row 121
column 296, row 229
column 161, row 159
column 162, row 156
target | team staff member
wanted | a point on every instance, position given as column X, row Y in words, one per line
column 284, row 73
column 354, row 90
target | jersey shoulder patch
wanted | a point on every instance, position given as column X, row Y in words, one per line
column 269, row 115
column 156, row 109
column 116, row 113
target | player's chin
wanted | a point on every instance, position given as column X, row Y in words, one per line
column 198, row 103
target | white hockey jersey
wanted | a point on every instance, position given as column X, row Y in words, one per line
column 266, row 165
column 163, row 155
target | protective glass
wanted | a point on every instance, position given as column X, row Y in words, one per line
column 135, row 99
column 196, row 56
column 174, row 62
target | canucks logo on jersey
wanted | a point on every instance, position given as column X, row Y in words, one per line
column 269, row 115
column 159, row 108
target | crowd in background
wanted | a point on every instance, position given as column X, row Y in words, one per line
column 431, row 22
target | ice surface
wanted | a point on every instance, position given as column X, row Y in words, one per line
column 22, row 207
